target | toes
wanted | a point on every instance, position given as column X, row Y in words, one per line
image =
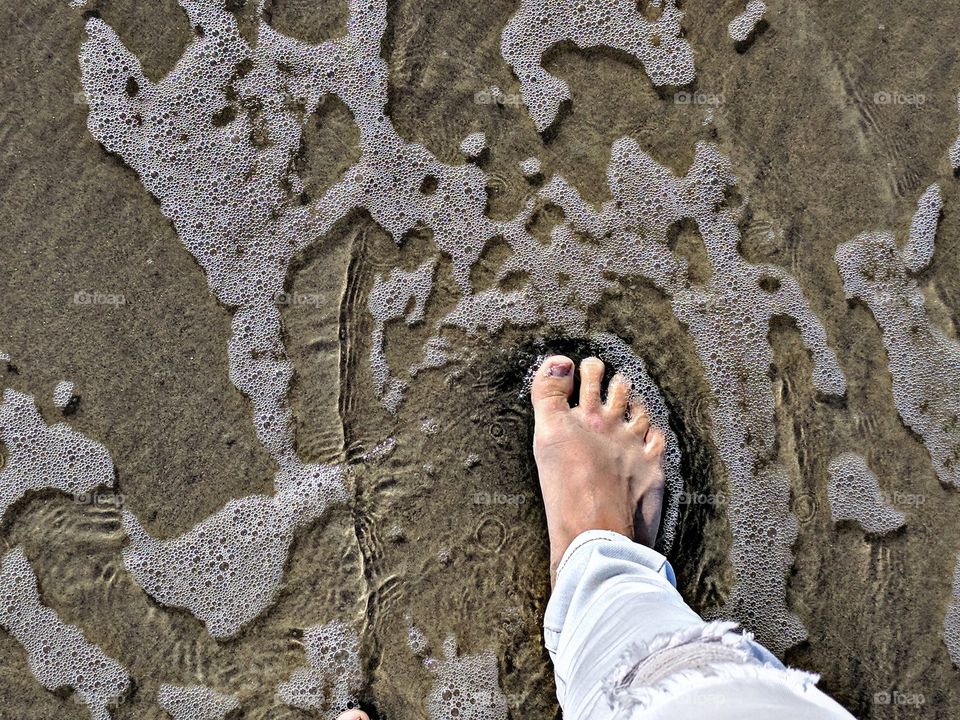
column 552, row 386
column 639, row 418
column 591, row 375
column 618, row 395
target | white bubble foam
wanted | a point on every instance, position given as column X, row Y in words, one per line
column 538, row 25
column 951, row 622
column 380, row 451
column 530, row 167
column 924, row 363
column 742, row 26
column 196, row 702
column 227, row 569
column 955, row 150
column 59, row 654
column 466, row 687
column 43, row 456
column 854, row 494
column 62, row 393
column 437, row 352
column 491, row 309
column 416, row 640
column 214, row 141
column 402, row 294
column 474, row 144
column 918, row 251
column 332, row 678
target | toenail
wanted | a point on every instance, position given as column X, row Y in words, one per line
column 558, row 369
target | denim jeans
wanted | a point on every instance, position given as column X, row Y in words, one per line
column 625, row 645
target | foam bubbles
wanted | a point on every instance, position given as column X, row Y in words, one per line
column 62, row 393
column 402, row 294
column 918, row 251
column 214, row 141
column 328, row 685
column 924, row 363
column 530, row 167
column 854, row 494
column 466, row 687
column 538, row 25
column 729, row 320
column 416, row 640
column 43, row 456
column 951, row 622
column 474, row 144
column 955, row 150
column 227, row 569
column 742, row 26
column 59, row 654
column 491, row 309
column 195, row 702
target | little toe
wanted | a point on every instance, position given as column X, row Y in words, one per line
column 552, row 386
column 591, row 375
column 618, row 395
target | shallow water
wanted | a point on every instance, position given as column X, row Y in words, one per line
column 458, row 548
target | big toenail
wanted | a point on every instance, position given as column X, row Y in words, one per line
column 560, row 369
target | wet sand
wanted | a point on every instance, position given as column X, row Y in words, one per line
column 819, row 161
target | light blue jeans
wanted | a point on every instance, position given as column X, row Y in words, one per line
column 625, row 645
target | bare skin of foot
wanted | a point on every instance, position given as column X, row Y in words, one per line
column 353, row 715
column 600, row 462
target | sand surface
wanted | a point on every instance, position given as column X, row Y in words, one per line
column 819, row 161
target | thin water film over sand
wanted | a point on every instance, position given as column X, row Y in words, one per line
column 276, row 274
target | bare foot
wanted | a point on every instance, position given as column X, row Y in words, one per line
column 599, row 461
column 353, row 715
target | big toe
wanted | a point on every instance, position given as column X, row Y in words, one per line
column 353, row 715
column 552, row 386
